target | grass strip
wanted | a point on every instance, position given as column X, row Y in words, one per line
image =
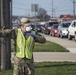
column 50, row 68
column 49, row 47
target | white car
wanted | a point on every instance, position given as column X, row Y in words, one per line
column 63, row 29
column 72, row 30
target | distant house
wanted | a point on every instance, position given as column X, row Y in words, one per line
column 65, row 18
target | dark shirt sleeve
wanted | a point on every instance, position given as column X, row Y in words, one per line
column 40, row 39
column 14, row 34
column 2, row 34
column 5, row 33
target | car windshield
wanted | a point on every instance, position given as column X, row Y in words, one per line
column 66, row 24
column 51, row 23
column 39, row 26
column 33, row 26
column 55, row 26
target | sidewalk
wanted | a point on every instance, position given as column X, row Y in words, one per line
column 72, row 50
column 54, row 56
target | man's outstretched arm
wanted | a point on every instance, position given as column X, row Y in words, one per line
column 6, row 32
column 40, row 39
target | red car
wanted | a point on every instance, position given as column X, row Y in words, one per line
column 53, row 30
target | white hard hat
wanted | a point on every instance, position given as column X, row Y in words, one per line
column 28, row 28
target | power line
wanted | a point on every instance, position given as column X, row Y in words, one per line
column 21, row 8
column 25, row 10
column 20, row 4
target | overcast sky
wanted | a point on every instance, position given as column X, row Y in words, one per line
column 23, row 7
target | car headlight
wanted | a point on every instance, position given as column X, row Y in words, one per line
column 64, row 31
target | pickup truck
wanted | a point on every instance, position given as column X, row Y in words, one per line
column 72, row 30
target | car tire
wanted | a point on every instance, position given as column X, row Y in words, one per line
column 53, row 34
column 58, row 35
column 50, row 34
column 69, row 37
column 61, row 36
column 75, row 37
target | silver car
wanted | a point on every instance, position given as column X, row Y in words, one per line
column 63, row 29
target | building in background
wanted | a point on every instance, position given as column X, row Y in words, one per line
column 65, row 18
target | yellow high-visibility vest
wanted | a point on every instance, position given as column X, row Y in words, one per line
column 24, row 46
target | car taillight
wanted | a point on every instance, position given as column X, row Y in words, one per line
column 55, row 31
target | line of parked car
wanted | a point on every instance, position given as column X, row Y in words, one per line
column 63, row 29
column 54, row 28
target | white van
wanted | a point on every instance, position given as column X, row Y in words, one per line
column 72, row 30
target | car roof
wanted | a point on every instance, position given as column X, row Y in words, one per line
column 66, row 22
column 53, row 21
column 55, row 24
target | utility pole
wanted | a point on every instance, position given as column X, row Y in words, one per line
column 34, row 8
column 6, row 42
column 10, row 14
column 2, row 24
column 0, row 14
column 0, row 28
column 73, row 9
column 52, row 9
column 54, row 13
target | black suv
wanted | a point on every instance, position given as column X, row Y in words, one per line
column 38, row 27
column 49, row 25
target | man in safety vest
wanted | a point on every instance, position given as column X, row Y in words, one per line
column 24, row 44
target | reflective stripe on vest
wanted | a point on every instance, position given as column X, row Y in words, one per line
column 24, row 47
